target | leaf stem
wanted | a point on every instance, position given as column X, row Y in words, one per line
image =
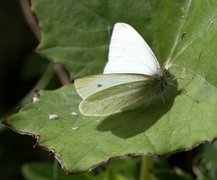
column 62, row 74
column 30, row 18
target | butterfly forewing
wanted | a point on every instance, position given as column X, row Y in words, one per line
column 90, row 85
column 115, row 99
column 129, row 53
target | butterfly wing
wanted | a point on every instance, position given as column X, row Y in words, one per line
column 129, row 53
column 90, row 85
column 118, row 98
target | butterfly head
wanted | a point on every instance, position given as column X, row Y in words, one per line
column 161, row 78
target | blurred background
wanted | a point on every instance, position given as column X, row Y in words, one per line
column 22, row 72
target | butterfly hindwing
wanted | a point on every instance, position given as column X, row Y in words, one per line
column 117, row 98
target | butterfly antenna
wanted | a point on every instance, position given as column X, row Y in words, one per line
column 182, row 77
column 185, row 93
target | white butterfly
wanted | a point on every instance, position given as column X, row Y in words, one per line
column 132, row 76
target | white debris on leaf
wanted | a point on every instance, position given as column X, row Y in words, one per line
column 53, row 116
column 74, row 128
column 74, row 114
column 35, row 99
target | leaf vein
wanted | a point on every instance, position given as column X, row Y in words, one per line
column 179, row 32
column 194, row 38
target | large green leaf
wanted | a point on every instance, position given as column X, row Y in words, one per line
column 76, row 34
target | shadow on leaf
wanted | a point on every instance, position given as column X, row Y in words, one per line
column 131, row 123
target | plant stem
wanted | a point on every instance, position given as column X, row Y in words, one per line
column 145, row 167
column 55, row 169
column 41, row 84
